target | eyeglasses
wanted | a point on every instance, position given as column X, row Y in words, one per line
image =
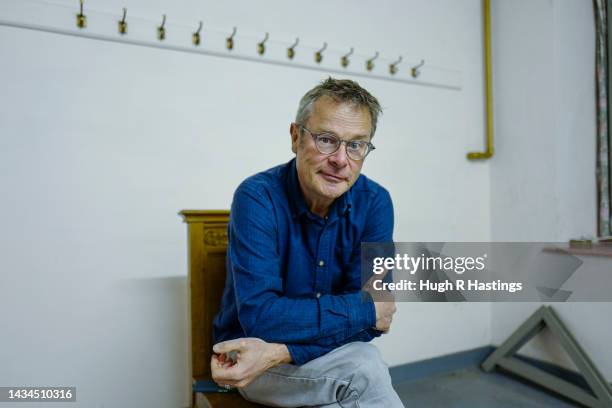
column 328, row 143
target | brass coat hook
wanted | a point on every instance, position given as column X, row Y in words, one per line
column 161, row 30
column 195, row 38
column 370, row 62
column 393, row 66
column 261, row 46
column 319, row 54
column 229, row 41
column 344, row 61
column 81, row 19
column 291, row 50
column 122, row 23
column 416, row 70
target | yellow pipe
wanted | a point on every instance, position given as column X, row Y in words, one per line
column 488, row 153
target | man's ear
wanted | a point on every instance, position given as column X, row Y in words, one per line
column 294, row 130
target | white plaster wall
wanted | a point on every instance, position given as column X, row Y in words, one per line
column 543, row 174
column 102, row 144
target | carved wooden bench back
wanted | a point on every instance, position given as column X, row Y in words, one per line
column 207, row 237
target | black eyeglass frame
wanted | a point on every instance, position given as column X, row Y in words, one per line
column 315, row 136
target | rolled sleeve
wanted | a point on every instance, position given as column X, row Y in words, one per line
column 303, row 353
column 362, row 313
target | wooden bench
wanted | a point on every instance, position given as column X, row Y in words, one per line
column 207, row 233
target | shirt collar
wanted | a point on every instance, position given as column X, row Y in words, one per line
column 341, row 205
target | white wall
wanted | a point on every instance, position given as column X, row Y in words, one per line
column 102, row 144
column 543, row 175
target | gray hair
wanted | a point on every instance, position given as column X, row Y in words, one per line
column 340, row 90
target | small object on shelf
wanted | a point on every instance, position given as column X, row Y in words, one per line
column 580, row 243
column 605, row 240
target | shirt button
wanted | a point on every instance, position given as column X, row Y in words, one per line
column 321, row 263
column 318, row 295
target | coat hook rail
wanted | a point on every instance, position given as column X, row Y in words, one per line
column 165, row 33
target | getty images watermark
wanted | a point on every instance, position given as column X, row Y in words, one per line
column 484, row 272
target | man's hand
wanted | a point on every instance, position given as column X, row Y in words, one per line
column 254, row 356
column 384, row 315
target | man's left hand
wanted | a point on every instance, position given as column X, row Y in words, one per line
column 254, row 356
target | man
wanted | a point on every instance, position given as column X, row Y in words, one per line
column 292, row 307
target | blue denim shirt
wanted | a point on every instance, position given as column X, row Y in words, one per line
column 294, row 277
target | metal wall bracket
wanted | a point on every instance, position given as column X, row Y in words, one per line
column 545, row 316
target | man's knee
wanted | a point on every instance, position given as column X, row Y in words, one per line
column 356, row 362
column 367, row 361
column 364, row 371
column 366, row 353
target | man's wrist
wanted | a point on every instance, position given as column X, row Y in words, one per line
column 278, row 354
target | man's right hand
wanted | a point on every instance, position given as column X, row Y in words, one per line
column 384, row 315
column 254, row 356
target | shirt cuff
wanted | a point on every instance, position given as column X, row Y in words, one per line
column 297, row 356
column 362, row 313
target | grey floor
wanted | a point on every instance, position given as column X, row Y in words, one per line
column 475, row 389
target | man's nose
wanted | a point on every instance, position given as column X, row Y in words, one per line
column 339, row 157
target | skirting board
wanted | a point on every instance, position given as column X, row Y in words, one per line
column 439, row 365
column 470, row 359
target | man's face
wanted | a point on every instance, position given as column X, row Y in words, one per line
column 325, row 177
